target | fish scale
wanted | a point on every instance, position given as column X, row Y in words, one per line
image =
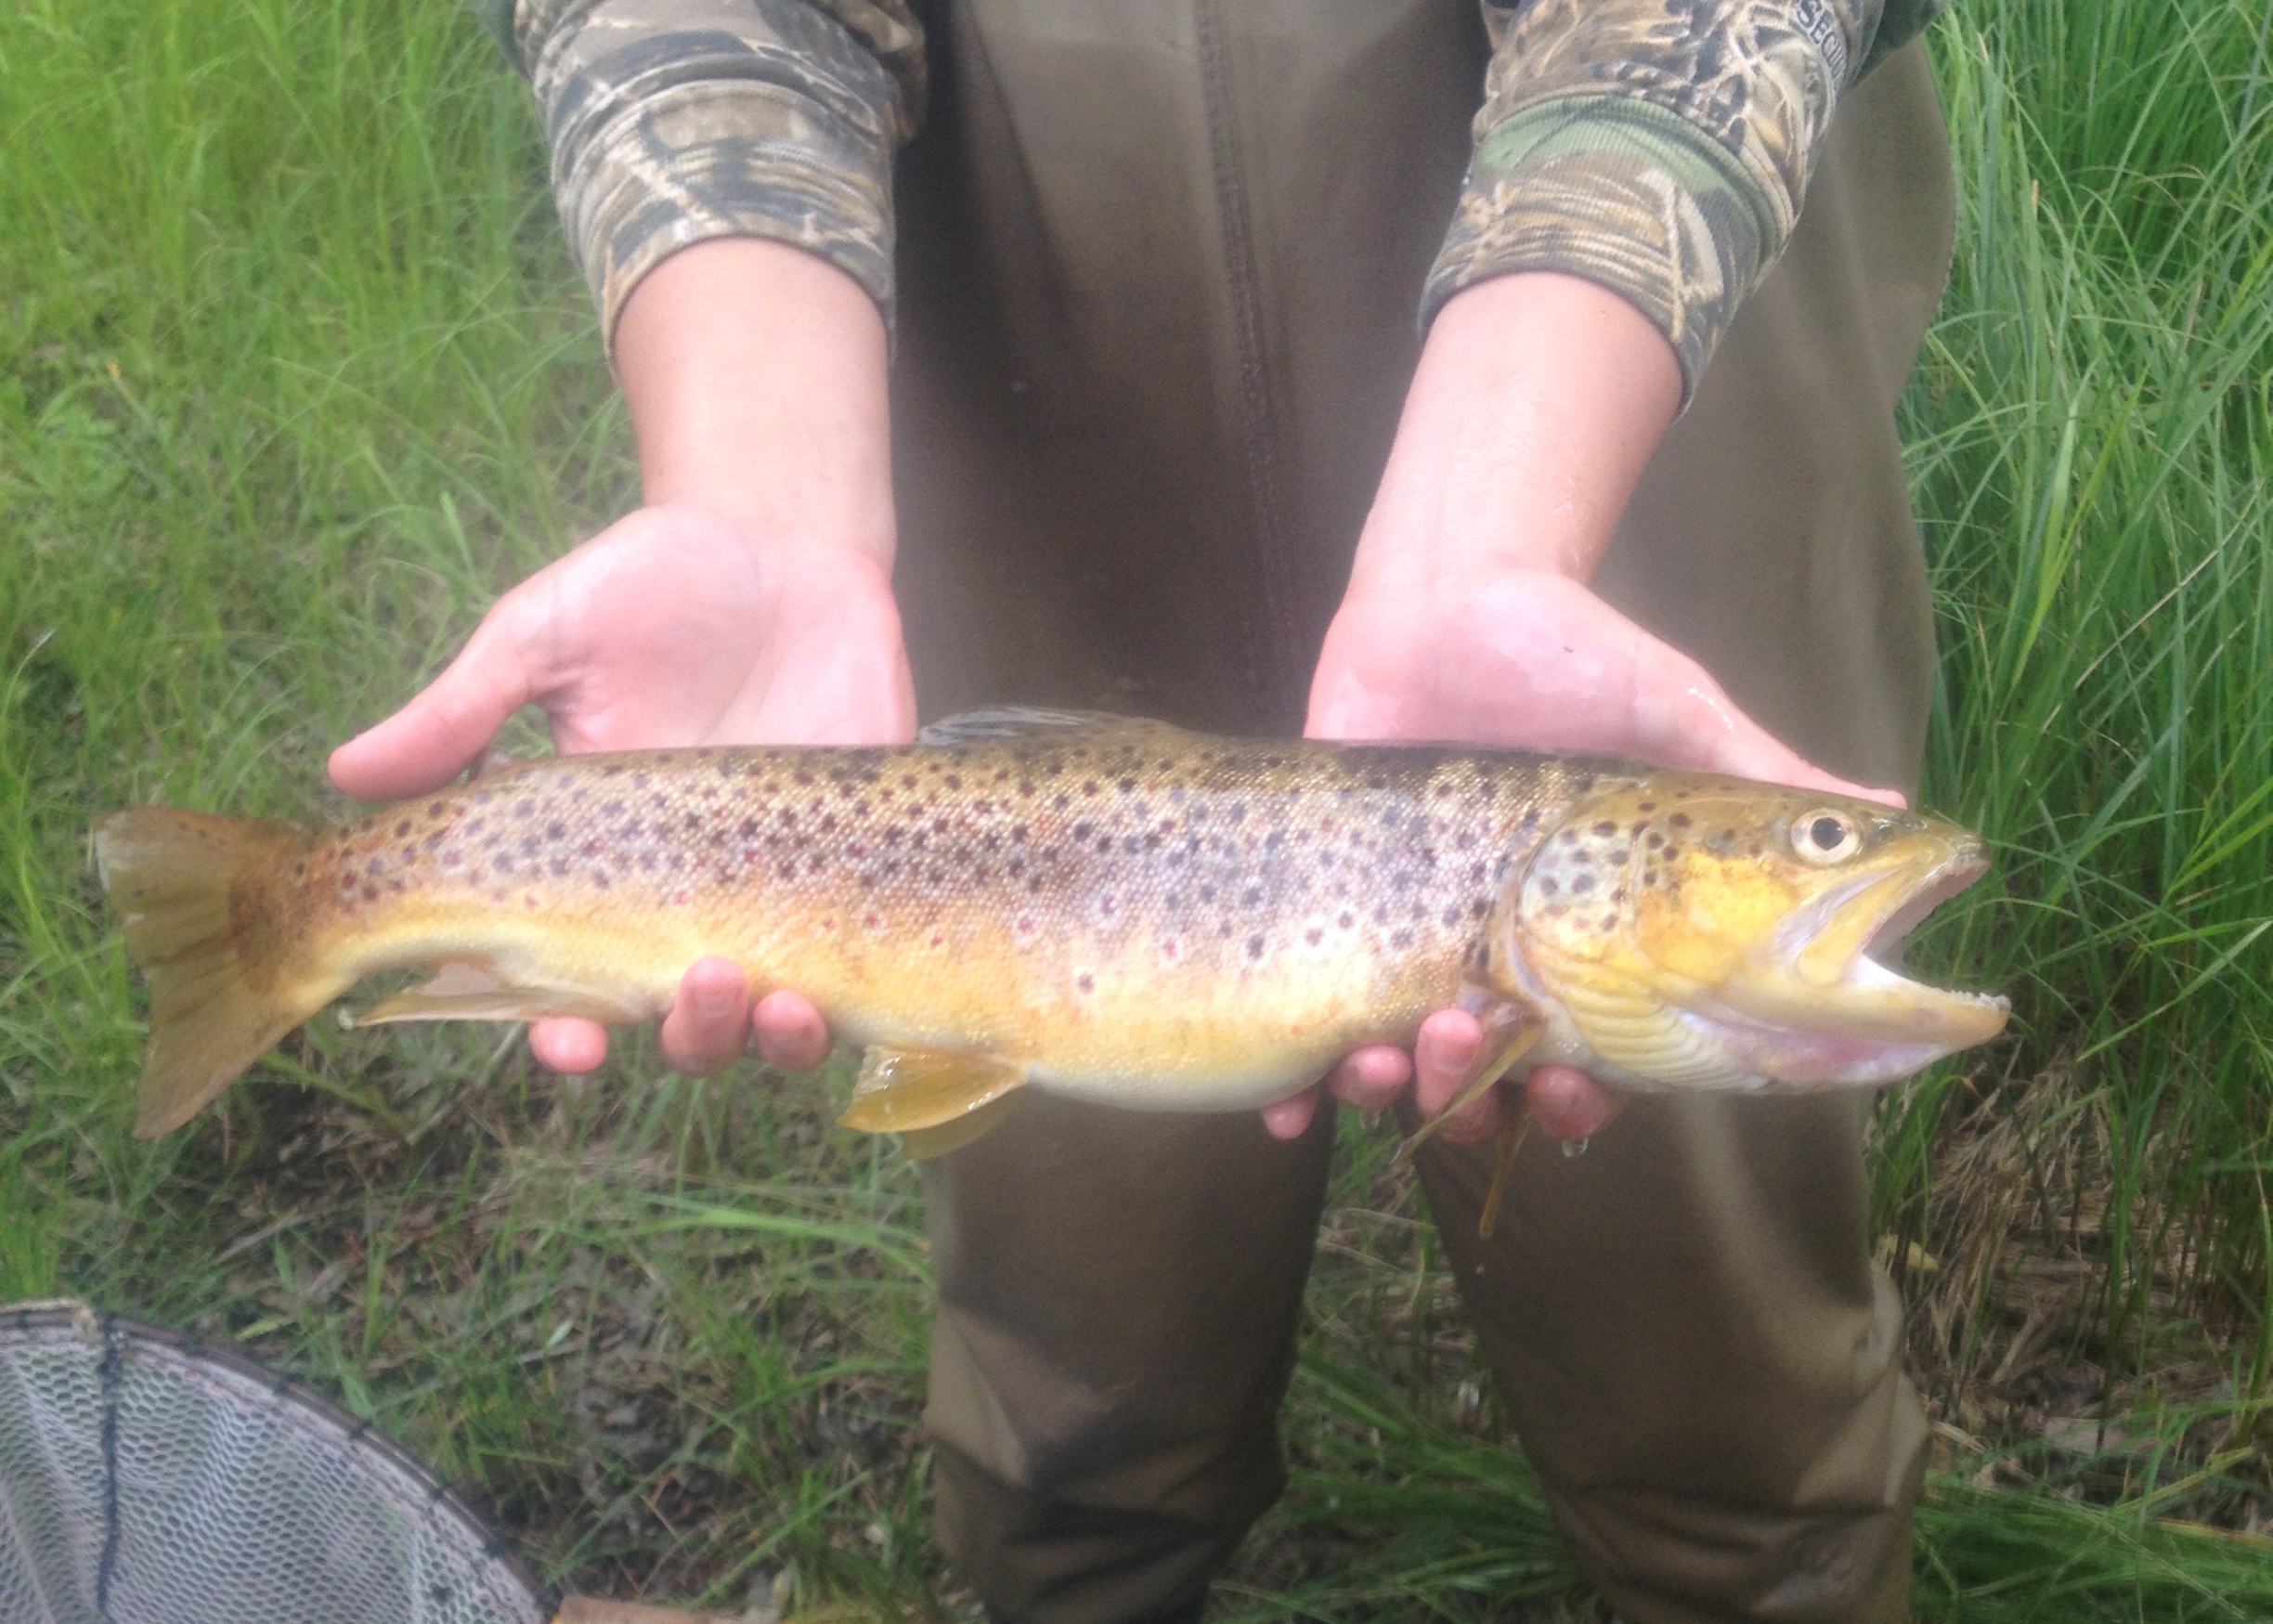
column 1111, row 909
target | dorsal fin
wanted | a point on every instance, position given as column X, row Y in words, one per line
column 495, row 759
column 1014, row 722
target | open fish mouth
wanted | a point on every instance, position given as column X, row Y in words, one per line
column 1832, row 972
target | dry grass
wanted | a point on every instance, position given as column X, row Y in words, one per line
column 2033, row 1377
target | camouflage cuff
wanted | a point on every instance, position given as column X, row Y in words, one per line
column 1660, row 147
column 675, row 120
column 1624, row 194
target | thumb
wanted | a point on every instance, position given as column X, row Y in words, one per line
column 1685, row 719
column 447, row 726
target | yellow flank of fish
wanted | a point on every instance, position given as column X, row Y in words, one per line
column 1115, row 910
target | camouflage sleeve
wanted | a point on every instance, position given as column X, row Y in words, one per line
column 1659, row 148
column 673, row 121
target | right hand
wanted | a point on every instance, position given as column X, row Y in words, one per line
column 673, row 627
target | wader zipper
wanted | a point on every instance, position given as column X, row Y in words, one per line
column 1278, row 639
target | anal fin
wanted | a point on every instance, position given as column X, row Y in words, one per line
column 939, row 1097
column 464, row 990
column 922, row 1144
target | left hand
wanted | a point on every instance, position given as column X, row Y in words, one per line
column 1537, row 401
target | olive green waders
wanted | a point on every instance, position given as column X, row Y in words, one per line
column 1162, row 262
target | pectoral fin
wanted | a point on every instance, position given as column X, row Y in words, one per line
column 938, row 1098
column 462, row 990
column 1510, row 1028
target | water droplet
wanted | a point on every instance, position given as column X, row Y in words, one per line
column 1573, row 1150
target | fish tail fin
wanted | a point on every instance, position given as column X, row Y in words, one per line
column 201, row 899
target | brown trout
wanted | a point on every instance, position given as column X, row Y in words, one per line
column 1115, row 910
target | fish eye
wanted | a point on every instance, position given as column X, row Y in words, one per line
column 1826, row 836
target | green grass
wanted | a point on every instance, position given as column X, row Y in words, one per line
column 294, row 377
column 2093, row 451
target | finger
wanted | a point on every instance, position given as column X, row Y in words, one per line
column 445, row 728
column 791, row 1033
column 709, row 1025
column 1371, row 1078
column 1289, row 1118
column 1445, row 1057
column 564, row 1043
column 1568, row 1104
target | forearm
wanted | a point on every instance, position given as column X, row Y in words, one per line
column 1537, row 401
column 756, row 378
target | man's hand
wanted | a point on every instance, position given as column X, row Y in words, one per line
column 1537, row 401
column 750, row 604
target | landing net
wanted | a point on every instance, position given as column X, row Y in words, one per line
column 147, row 1479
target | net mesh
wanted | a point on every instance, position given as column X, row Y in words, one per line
column 146, row 1479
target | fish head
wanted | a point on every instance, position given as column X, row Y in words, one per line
column 1700, row 931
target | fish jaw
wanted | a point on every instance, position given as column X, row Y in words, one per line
column 1817, row 1001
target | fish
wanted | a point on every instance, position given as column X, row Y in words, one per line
column 1107, row 908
